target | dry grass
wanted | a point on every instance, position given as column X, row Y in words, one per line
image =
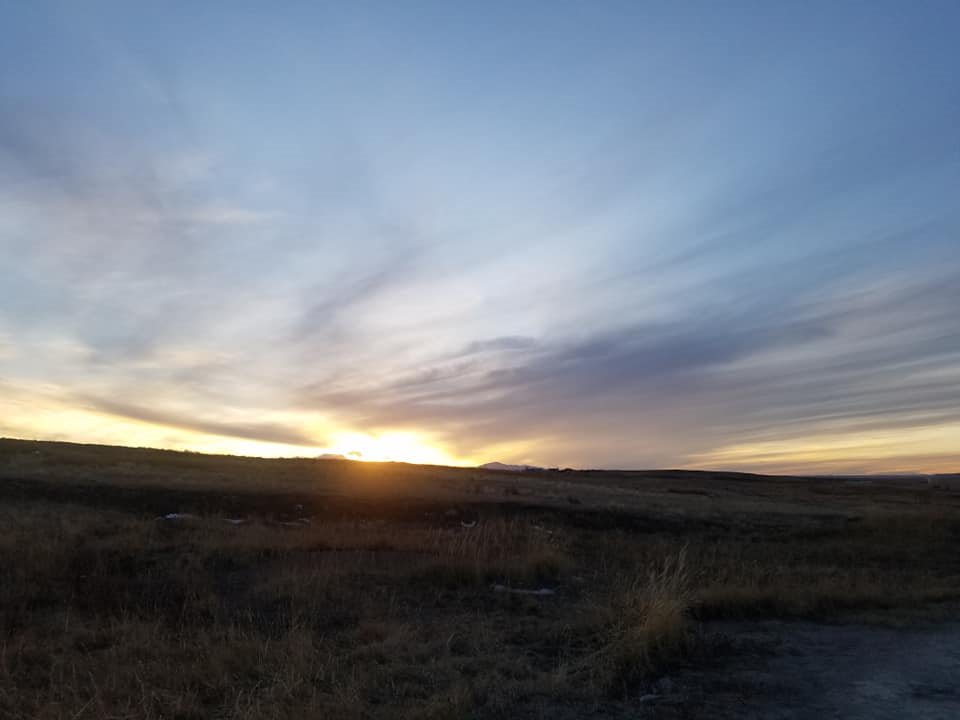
column 646, row 624
column 372, row 612
column 121, row 617
column 502, row 550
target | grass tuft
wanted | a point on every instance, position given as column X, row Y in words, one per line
column 647, row 625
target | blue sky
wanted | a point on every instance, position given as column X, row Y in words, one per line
column 590, row 234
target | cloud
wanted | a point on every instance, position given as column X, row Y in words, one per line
column 741, row 370
column 223, row 215
column 327, row 306
column 508, row 342
column 260, row 431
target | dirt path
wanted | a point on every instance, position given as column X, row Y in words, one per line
column 794, row 671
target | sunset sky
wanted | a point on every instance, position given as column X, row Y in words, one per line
column 588, row 234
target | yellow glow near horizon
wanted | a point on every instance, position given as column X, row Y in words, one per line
column 86, row 426
column 925, row 449
column 44, row 413
column 39, row 413
column 393, row 446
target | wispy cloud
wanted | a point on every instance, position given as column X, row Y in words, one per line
column 190, row 420
column 648, row 251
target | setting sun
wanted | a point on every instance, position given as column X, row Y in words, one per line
column 391, row 447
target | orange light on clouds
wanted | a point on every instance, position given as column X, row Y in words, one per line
column 42, row 413
column 50, row 420
column 930, row 449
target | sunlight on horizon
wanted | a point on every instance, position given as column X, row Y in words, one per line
column 43, row 416
column 924, row 449
column 410, row 447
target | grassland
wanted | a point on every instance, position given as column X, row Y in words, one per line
column 334, row 589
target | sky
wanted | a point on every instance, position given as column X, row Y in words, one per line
column 586, row 234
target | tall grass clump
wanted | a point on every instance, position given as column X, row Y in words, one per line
column 646, row 625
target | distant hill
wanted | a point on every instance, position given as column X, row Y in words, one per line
column 508, row 468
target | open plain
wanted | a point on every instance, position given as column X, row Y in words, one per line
column 156, row 584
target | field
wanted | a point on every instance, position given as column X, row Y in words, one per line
column 338, row 589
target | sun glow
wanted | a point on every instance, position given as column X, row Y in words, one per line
column 47, row 413
column 393, row 446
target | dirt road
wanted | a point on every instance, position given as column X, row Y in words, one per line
column 795, row 671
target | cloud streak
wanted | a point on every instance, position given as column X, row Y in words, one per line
column 652, row 251
column 265, row 432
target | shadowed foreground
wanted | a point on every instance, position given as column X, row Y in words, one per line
column 809, row 671
column 292, row 588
